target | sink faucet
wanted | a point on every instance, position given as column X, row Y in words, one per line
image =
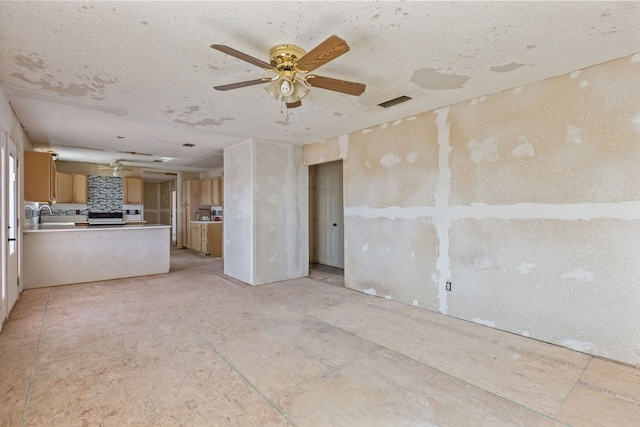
column 40, row 212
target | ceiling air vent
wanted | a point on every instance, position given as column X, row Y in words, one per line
column 188, row 145
column 392, row 102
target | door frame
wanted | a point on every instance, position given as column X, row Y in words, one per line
column 4, row 290
column 10, row 224
column 314, row 172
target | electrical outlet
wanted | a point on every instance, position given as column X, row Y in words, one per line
column 448, row 286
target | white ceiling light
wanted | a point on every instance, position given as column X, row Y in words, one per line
column 287, row 90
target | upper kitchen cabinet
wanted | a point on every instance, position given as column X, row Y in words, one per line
column 39, row 177
column 205, row 191
column 79, row 188
column 71, row 188
column 210, row 193
column 221, row 192
column 191, row 193
column 132, row 191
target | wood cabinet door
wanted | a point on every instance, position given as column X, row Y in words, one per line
column 185, row 194
column 221, row 184
column 133, row 191
column 79, row 188
column 215, row 191
column 186, row 227
column 194, row 193
column 205, row 191
column 214, row 239
column 64, row 187
column 196, row 237
column 39, row 177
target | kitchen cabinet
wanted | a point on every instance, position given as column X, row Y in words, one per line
column 132, row 191
column 204, row 245
column 214, row 239
column 210, row 191
column 71, row 188
column 79, row 188
column 64, row 187
column 191, row 193
column 205, row 191
column 190, row 202
column 39, row 177
column 196, row 236
column 185, row 227
column 215, row 191
column 206, row 237
column 221, row 183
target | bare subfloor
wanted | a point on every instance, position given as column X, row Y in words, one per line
column 193, row 348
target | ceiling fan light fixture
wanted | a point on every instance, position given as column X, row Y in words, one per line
column 285, row 87
column 272, row 89
column 299, row 90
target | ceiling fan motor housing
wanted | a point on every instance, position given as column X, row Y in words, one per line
column 283, row 56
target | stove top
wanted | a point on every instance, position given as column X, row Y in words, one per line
column 105, row 218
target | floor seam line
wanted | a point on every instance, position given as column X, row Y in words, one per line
column 231, row 365
column 332, row 369
column 27, row 399
column 475, row 386
column 573, row 387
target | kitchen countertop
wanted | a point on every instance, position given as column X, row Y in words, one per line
column 207, row 222
column 64, row 226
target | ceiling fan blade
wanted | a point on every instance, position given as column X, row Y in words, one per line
column 294, row 104
column 243, row 56
column 242, row 84
column 342, row 86
column 326, row 51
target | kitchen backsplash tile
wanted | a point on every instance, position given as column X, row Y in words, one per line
column 62, row 209
column 104, row 193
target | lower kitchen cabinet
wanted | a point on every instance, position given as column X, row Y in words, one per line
column 214, row 239
column 206, row 237
column 196, row 236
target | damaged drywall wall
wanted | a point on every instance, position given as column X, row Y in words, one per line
column 525, row 201
column 238, row 211
column 281, row 204
column 266, row 212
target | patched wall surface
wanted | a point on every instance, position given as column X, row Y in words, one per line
column 526, row 201
column 238, row 218
column 281, row 207
column 387, row 168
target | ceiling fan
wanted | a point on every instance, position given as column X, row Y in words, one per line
column 289, row 62
column 115, row 166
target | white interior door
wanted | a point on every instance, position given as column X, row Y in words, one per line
column 12, row 222
column 4, row 223
column 330, row 246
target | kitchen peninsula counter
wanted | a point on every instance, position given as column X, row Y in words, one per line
column 63, row 253
column 63, row 226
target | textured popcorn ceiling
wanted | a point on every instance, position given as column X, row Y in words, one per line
column 80, row 74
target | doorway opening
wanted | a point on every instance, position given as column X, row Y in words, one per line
column 326, row 218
